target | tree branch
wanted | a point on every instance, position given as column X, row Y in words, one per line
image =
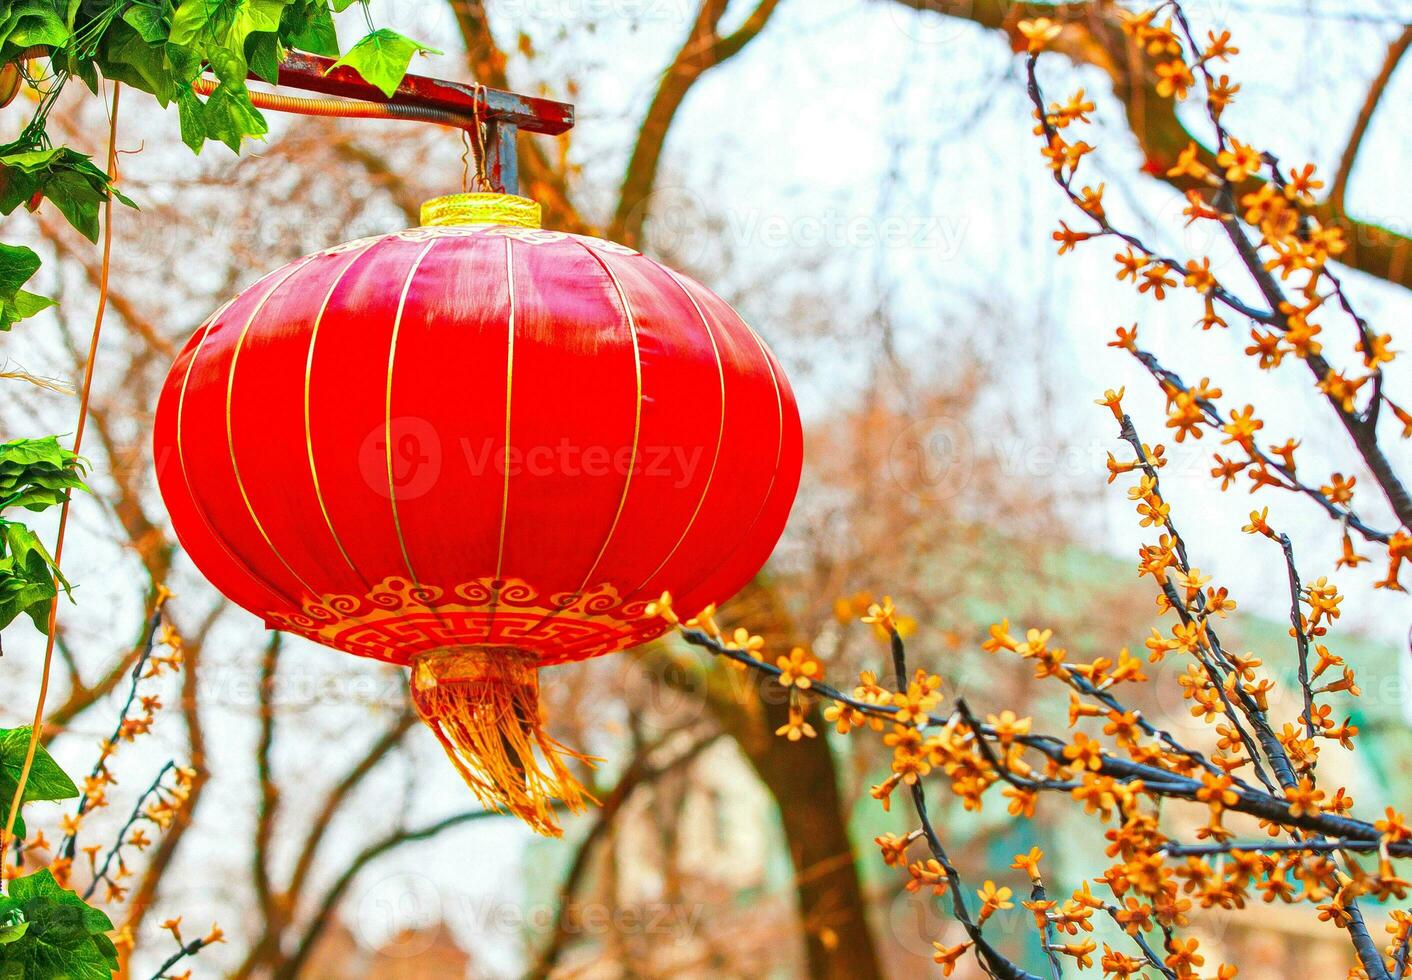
column 1395, row 51
column 1093, row 37
column 703, row 50
column 328, row 905
column 269, row 788
column 640, row 772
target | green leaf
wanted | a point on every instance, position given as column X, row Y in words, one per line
column 229, row 116
column 35, row 452
column 311, row 29
column 191, row 21
column 147, row 21
column 192, row 116
column 130, row 58
column 66, row 177
column 36, row 22
column 263, row 52
column 254, row 16
column 13, row 923
column 36, row 473
column 26, row 305
column 46, row 780
column 26, row 577
column 66, row 938
column 17, row 265
column 382, row 58
column 228, row 65
column 340, row 6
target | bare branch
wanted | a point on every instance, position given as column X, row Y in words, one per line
column 703, row 50
column 1395, row 51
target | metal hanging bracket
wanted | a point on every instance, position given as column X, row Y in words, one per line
column 503, row 113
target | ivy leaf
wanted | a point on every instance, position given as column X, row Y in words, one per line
column 227, row 65
column 66, row 937
column 382, row 58
column 24, row 306
column 263, row 52
column 12, row 921
column 129, row 57
column 254, row 16
column 68, row 178
column 34, row 474
column 27, row 576
column 17, row 265
column 192, row 116
column 310, row 28
column 148, row 22
column 191, row 21
column 35, row 22
column 37, row 473
column 46, row 780
column 229, row 116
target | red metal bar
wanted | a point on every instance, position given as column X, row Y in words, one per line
column 313, row 73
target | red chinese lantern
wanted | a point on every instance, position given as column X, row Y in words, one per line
column 478, row 448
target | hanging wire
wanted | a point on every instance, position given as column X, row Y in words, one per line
column 482, row 181
column 466, row 153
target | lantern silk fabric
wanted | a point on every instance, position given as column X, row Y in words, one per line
column 476, row 436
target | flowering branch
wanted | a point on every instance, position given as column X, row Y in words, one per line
column 1321, row 839
column 1295, row 243
column 99, row 778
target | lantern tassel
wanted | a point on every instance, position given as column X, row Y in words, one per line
column 483, row 705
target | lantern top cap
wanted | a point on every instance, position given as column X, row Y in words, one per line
column 481, row 209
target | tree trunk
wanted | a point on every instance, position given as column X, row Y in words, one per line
column 803, row 779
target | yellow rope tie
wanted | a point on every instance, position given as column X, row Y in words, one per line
column 481, row 209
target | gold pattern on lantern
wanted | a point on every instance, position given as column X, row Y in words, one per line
column 398, row 619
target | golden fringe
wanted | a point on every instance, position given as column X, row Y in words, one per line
column 483, row 705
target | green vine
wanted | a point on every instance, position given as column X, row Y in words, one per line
column 160, row 47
